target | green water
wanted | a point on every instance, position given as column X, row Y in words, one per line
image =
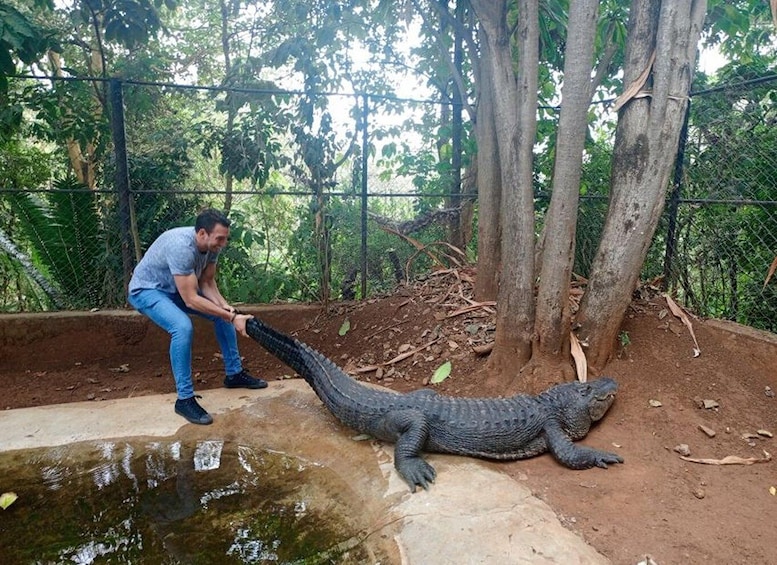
column 168, row 502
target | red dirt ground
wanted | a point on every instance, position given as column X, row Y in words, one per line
column 656, row 504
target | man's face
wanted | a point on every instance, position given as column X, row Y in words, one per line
column 217, row 239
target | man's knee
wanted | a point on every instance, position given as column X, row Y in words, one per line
column 182, row 327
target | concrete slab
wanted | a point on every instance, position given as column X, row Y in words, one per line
column 473, row 514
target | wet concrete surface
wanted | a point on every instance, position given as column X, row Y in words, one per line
column 473, row 514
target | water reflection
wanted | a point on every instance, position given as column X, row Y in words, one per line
column 172, row 502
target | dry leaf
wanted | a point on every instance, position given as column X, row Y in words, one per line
column 581, row 365
column 367, row 369
column 633, row 90
column 731, row 460
column 397, row 359
column 678, row 312
column 472, row 307
column 773, row 266
column 709, row 431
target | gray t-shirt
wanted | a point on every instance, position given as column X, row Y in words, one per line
column 172, row 253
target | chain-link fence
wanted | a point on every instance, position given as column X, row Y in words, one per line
column 311, row 238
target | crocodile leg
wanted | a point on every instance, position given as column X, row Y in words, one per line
column 575, row 456
column 409, row 430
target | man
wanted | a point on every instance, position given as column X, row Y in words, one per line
column 177, row 277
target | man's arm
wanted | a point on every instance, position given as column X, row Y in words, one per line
column 210, row 289
column 188, row 287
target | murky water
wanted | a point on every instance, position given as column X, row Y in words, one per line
column 168, row 502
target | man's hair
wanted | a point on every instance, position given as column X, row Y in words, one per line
column 208, row 218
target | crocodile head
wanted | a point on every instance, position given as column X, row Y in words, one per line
column 578, row 405
column 601, row 394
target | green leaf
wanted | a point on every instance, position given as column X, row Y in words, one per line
column 6, row 499
column 345, row 327
column 442, row 373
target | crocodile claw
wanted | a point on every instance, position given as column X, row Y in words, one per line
column 605, row 457
column 417, row 472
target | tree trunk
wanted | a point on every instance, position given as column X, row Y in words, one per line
column 515, row 106
column 489, row 186
column 231, row 110
column 81, row 158
column 455, row 234
column 553, row 310
column 646, row 143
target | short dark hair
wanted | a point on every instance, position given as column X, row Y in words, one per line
column 208, row 218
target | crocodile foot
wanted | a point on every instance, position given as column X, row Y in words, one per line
column 416, row 472
column 602, row 458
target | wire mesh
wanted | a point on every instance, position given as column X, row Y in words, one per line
column 302, row 241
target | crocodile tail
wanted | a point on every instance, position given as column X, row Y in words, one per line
column 284, row 347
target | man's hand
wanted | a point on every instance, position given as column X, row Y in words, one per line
column 240, row 323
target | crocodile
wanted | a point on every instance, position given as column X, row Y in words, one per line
column 509, row 428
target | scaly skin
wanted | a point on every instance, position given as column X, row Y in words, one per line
column 517, row 427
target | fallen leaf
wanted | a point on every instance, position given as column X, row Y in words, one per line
column 442, row 373
column 773, row 491
column 655, row 403
column 765, row 433
column 581, row 364
column 709, row 431
column 773, row 266
column 123, row 368
column 485, row 305
column 344, row 328
column 731, row 460
column 678, row 312
column 6, row 499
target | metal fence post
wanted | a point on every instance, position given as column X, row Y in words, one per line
column 674, row 201
column 365, row 169
column 122, row 180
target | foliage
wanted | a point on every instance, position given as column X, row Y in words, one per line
column 64, row 230
column 730, row 156
column 256, row 266
column 21, row 167
column 21, row 38
column 128, row 23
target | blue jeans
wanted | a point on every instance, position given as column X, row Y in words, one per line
column 169, row 312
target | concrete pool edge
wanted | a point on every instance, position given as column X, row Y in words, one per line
column 472, row 514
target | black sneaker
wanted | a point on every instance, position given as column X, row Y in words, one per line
column 192, row 411
column 243, row 379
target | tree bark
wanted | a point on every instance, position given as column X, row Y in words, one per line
column 646, row 143
column 489, row 185
column 82, row 159
column 515, row 106
column 231, row 110
column 553, row 310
